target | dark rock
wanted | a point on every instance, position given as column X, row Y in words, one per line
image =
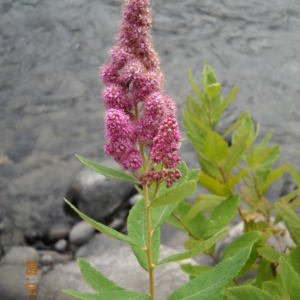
column 2, row 226
column 58, row 231
column 97, row 196
column 287, row 187
column 57, row 257
column 61, row 245
column 13, row 280
column 114, row 258
column 33, row 235
column 19, row 255
column 81, row 233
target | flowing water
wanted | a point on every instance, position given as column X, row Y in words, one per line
column 50, row 53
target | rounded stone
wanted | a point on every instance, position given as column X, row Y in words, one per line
column 61, row 245
column 134, row 199
column 81, row 233
column 19, row 255
column 46, row 260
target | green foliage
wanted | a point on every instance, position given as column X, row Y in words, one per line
column 210, row 282
column 248, row 293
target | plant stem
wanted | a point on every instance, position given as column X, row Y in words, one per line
column 149, row 235
column 242, row 217
column 222, row 173
column 279, row 242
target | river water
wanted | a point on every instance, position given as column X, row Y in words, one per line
column 50, row 53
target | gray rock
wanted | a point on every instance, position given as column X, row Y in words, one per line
column 134, row 199
column 57, row 257
column 58, row 231
column 45, row 269
column 32, row 235
column 2, row 226
column 114, row 259
column 58, row 266
column 61, row 245
column 19, row 255
column 81, row 233
column 46, row 260
column 13, row 280
column 97, row 196
column 117, row 224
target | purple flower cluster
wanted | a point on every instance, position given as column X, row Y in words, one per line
column 137, row 110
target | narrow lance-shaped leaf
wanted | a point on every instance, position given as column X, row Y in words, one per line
column 226, row 102
column 197, row 250
column 294, row 174
column 213, row 185
column 105, row 229
column 137, row 230
column 211, row 281
column 107, row 172
column 115, row 295
column 266, row 139
column 215, row 147
column 236, row 123
column 96, row 280
column 213, row 89
column 174, row 195
column 269, row 254
column 248, row 293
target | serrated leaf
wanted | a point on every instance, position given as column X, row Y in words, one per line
column 294, row 259
column 174, row 195
column 105, row 229
column 246, row 240
column 205, row 245
column 116, row 295
column 247, row 293
column 236, row 151
column 291, row 219
column 272, row 177
column 287, row 282
column 220, row 216
column 137, row 230
column 294, row 174
column 215, row 147
column 264, row 273
column 249, row 281
column 269, row 254
column 196, row 89
column 96, row 280
column 211, row 281
column 213, row 185
column 195, row 271
column 107, row 172
column 257, row 155
column 213, row 89
column 226, row 102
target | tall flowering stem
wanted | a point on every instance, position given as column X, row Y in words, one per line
column 139, row 116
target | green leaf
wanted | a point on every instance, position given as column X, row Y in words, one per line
column 215, row 147
column 193, row 212
column 246, row 240
column 213, row 89
column 211, row 281
column 209, row 201
column 236, row 123
column 269, row 254
column 266, row 139
column 116, row 295
column 220, row 216
column 264, row 273
column 97, row 281
column 213, row 185
column 208, row 77
column 105, row 229
column 226, row 103
column 273, row 156
column 193, row 175
column 219, row 295
column 202, row 247
column 294, row 174
column 294, row 259
column 287, row 282
column 175, row 223
column 137, row 230
column 236, row 151
column 268, row 286
column 273, row 176
column 249, row 281
column 196, row 89
column 235, row 179
column 195, row 271
column 257, row 155
column 248, row 293
column 107, row 172
column 174, row 195
column 291, row 219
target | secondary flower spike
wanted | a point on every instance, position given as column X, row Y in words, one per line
column 138, row 113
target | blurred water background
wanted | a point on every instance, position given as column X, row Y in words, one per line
column 50, row 106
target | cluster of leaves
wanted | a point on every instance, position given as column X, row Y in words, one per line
column 222, row 168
